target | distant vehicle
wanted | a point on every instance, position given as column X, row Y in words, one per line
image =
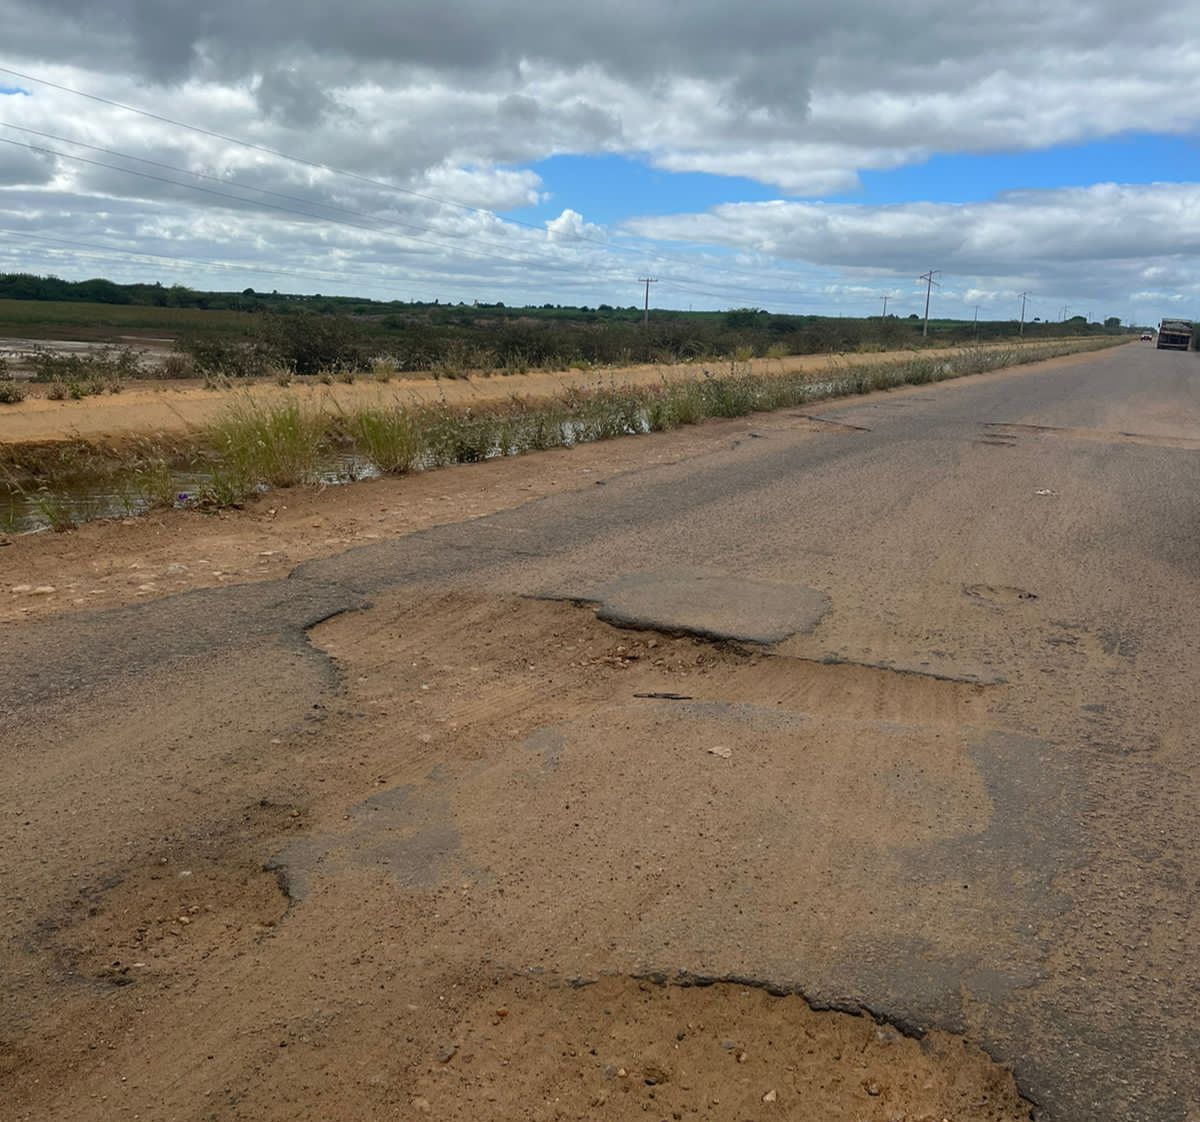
column 1147, row 337
column 1174, row 335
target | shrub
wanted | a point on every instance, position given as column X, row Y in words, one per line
column 106, row 366
column 384, row 369
column 225, row 358
column 175, row 365
column 308, row 343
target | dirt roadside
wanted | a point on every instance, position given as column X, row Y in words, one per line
column 144, row 408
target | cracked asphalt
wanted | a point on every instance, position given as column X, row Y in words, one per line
column 955, row 635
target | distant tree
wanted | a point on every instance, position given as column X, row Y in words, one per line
column 1113, row 321
column 743, row 317
column 101, row 291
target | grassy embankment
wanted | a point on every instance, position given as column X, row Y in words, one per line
column 255, row 445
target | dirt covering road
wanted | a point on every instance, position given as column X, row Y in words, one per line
column 833, row 765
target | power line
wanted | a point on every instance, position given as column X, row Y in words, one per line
column 333, row 170
column 190, row 262
column 176, row 261
column 307, row 214
column 255, row 147
column 238, row 198
column 218, row 179
column 229, row 182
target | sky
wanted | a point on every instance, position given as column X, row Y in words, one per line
column 809, row 157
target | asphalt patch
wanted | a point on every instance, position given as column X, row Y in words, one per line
column 710, row 605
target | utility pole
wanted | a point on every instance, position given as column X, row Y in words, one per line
column 976, row 321
column 647, row 281
column 1065, row 310
column 1021, row 329
column 929, row 283
column 884, row 316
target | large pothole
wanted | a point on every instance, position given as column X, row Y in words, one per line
column 624, row 1049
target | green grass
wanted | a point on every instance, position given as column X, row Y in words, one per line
column 253, row 445
column 49, row 319
column 389, row 438
column 279, row 445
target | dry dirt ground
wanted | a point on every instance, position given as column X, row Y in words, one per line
column 314, row 932
column 353, row 805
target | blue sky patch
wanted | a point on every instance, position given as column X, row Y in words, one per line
column 1140, row 158
column 607, row 189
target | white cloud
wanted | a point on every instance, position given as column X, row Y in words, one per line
column 448, row 98
column 1019, row 229
column 570, row 227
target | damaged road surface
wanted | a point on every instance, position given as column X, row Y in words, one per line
column 845, row 773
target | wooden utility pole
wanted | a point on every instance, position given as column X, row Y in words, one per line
column 976, row 321
column 1021, row 329
column 647, row 281
column 884, row 316
column 929, row 283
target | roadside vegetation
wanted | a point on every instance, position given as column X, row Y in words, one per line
column 251, row 334
column 257, row 445
column 459, row 342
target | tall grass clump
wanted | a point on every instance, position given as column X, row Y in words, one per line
column 459, row 436
column 603, row 413
column 279, row 443
column 389, row 438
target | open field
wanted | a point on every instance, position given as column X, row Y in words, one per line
column 112, row 323
column 306, row 333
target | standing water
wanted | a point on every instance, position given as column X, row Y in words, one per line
column 71, row 501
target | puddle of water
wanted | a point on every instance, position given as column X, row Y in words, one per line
column 84, row 499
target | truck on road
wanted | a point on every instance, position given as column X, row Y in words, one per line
column 1174, row 335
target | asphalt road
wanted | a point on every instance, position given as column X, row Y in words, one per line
column 1004, row 570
